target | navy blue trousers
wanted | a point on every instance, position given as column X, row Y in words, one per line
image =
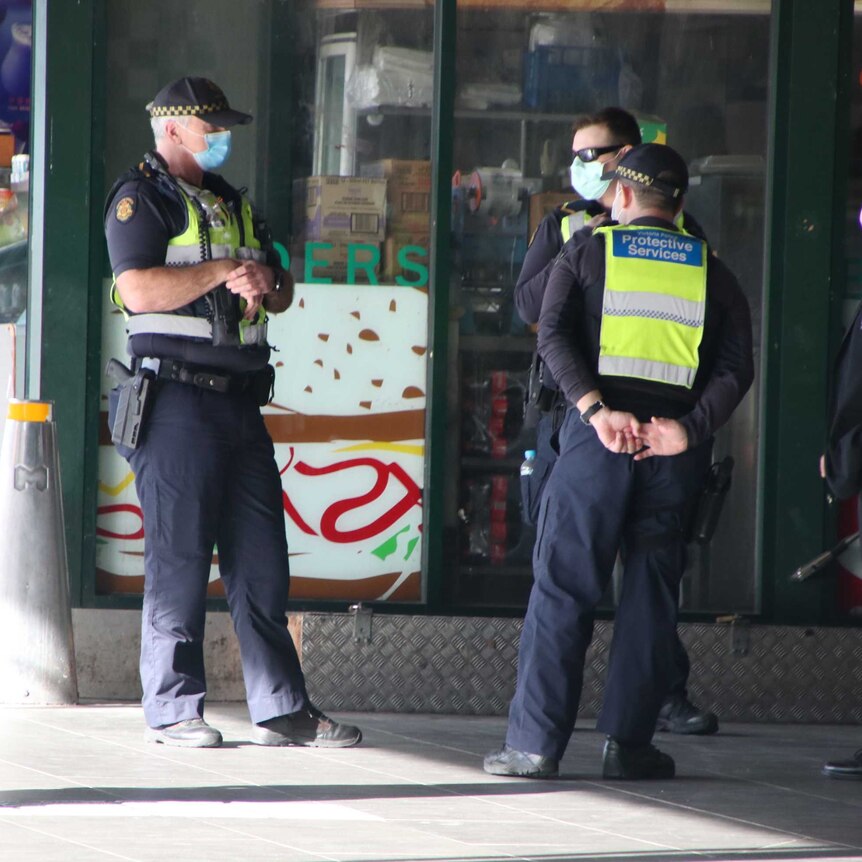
column 595, row 504
column 206, row 476
column 532, row 491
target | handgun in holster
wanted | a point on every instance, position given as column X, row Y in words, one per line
column 711, row 501
column 538, row 395
column 225, row 317
column 135, row 393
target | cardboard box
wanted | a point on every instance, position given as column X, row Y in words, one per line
column 542, row 203
column 349, row 209
column 408, row 193
column 7, row 148
column 416, row 263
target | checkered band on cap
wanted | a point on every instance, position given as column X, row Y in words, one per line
column 635, row 176
column 188, row 110
column 195, row 97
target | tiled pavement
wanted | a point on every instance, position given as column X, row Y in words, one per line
column 79, row 783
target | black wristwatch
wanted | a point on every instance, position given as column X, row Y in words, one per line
column 591, row 411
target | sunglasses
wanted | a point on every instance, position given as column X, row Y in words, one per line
column 590, row 154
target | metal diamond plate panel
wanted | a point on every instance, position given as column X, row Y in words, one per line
column 467, row 665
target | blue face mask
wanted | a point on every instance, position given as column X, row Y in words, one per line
column 217, row 151
column 587, row 179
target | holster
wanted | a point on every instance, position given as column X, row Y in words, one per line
column 711, row 501
column 263, row 385
column 538, row 395
column 135, row 393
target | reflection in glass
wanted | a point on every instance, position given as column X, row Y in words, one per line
column 696, row 81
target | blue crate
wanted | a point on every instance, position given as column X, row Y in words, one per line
column 560, row 78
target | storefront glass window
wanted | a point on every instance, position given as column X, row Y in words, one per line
column 16, row 26
column 695, row 76
column 338, row 160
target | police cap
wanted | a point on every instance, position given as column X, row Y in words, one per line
column 196, row 97
column 655, row 166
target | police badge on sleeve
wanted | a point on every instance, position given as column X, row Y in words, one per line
column 125, row 209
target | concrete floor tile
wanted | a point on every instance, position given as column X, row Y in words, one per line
column 81, row 784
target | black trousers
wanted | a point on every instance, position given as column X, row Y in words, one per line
column 206, row 478
column 597, row 503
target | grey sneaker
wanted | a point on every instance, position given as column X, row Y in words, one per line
column 520, row 764
column 191, row 733
column 307, row 727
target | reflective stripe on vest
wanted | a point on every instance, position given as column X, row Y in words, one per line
column 654, row 304
column 573, row 222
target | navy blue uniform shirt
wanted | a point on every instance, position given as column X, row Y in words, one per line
column 142, row 214
column 158, row 213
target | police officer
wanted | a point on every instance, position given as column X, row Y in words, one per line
column 649, row 338
column 196, row 275
column 841, row 465
column 600, row 141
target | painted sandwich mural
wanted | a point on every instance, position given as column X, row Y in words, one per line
column 348, row 424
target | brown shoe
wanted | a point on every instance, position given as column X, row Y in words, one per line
column 307, row 727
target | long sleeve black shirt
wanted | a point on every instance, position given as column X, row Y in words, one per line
column 569, row 328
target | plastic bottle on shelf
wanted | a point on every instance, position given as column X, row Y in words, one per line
column 528, row 463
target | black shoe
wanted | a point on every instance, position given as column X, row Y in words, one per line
column 510, row 761
column 191, row 733
column 307, row 727
column 679, row 715
column 646, row 761
column 851, row 768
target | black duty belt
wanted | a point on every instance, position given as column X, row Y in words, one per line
column 204, row 378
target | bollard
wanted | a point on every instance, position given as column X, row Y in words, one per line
column 37, row 656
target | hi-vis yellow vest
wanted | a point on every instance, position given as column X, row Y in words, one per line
column 571, row 223
column 219, row 239
column 654, row 304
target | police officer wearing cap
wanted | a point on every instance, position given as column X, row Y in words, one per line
column 196, row 275
column 600, row 141
column 649, row 338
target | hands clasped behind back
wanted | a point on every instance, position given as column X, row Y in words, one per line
column 621, row 432
column 617, row 430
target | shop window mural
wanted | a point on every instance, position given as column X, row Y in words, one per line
column 348, row 424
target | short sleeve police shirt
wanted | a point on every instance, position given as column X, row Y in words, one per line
column 139, row 222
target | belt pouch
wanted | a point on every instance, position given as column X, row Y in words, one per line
column 263, row 385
